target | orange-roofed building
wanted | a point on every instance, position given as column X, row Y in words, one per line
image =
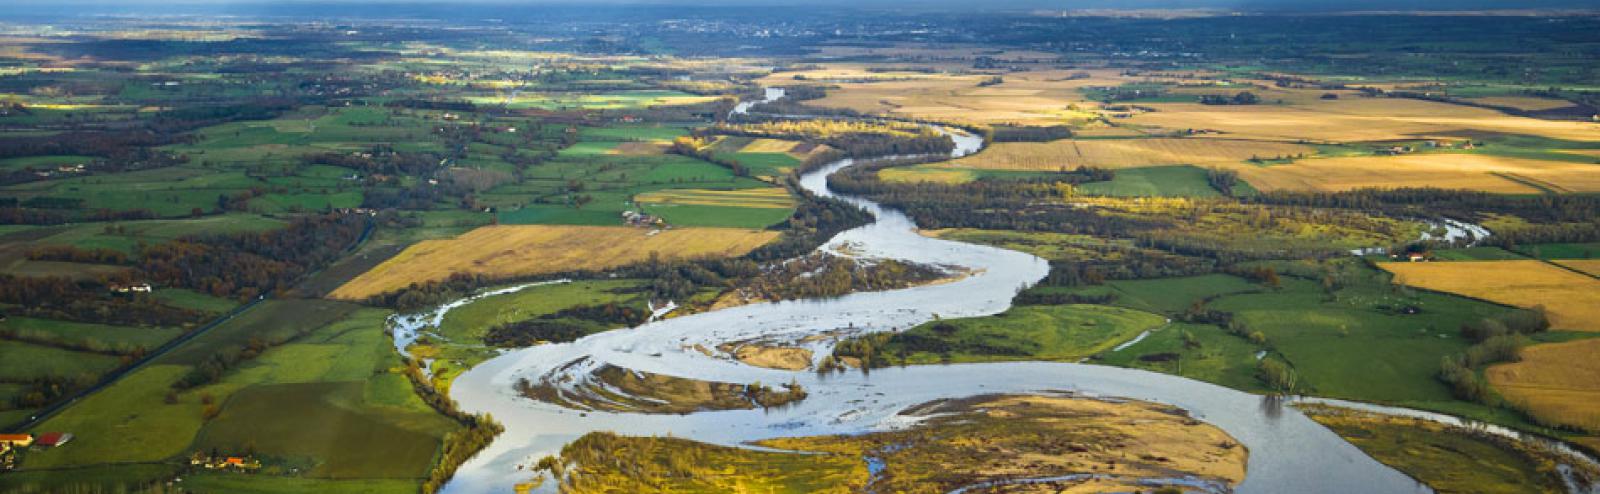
column 17, row 440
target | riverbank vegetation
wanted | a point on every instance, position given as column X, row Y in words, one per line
column 1449, row 459
column 1030, row 332
column 986, row 439
column 616, row 389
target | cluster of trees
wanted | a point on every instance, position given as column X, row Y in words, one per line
column 700, row 147
column 244, row 265
column 1026, row 133
column 91, row 301
column 459, row 446
column 1277, row 375
column 940, row 338
column 69, row 253
column 40, row 391
column 13, row 215
column 767, row 397
column 1242, row 98
column 1040, row 297
column 87, row 345
column 1495, row 340
column 1429, row 202
column 534, row 331
column 217, row 364
column 821, row 275
column 565, row 325
column 443, row 105
column 1222, row 180
column 1125, row 263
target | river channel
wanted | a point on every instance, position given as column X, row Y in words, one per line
column 1288, row 451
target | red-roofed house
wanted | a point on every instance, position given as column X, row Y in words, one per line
column 53, row 439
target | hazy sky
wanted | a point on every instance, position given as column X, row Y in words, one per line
column 179, row 6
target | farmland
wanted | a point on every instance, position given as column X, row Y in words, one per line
column 357, row 399
column 1571, row 299
column 510, row 251
column 749, row 208
column 213, row 228
column 1125, row 153
column 1445, row 170
column 1554, row 382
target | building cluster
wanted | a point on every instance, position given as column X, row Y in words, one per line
column 216, row 461
column 635, row 218
column 131, row 288
column 10, row 444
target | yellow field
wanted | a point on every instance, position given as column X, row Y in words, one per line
column 1124, row 153
column 1572, row 300
column 516, row 250
column 764, row 145
column 1443, row 170
column 1351, row 119
column 1034, row 98
column 1591, row 266
column 1043, row 97
column 927, row 174
column 1556, row 382
column 769, row 197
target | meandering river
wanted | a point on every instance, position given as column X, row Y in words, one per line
column 1288, row 451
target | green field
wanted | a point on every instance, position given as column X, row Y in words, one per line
column 22, row 362
column 632, row 133
column 263, row 484
column 317, row 405
column 125, row 236
column 90, row 334
column 1562, row 251
column 1167, row 295
column 190, row 299
column 1219, row 358
column 723, row 216
column 1358, row 347
column 1476, row 254
column 1049, row 332
column 1157, row 181
column 468, row 324
column 609, row 182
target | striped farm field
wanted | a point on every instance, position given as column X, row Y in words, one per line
column 1480, row 172
column 1124, row 153
column 1571, row 300
column 522, row 250
column 1556, row 382
column 768, row 197
column 1590, row 266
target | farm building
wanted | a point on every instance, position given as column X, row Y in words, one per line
column 17, row 440
column 53, row 439
column 132, row 288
